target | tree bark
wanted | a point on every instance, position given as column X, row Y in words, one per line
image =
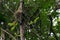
column 19, row 17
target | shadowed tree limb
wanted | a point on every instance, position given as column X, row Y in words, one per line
column 51, row 25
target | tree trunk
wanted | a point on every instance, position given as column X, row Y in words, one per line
column 19, row 17
column 22, row 24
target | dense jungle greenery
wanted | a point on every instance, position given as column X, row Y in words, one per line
column 41, row 20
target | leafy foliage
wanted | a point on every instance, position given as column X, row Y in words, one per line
column 37, row 23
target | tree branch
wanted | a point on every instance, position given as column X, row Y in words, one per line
column 8, row 33
column 51, row 30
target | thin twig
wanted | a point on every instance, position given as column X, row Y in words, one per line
column 8, row 33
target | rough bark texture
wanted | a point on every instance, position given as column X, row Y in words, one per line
column 19, row 17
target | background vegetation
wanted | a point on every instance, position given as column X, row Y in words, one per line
column 41, row 20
